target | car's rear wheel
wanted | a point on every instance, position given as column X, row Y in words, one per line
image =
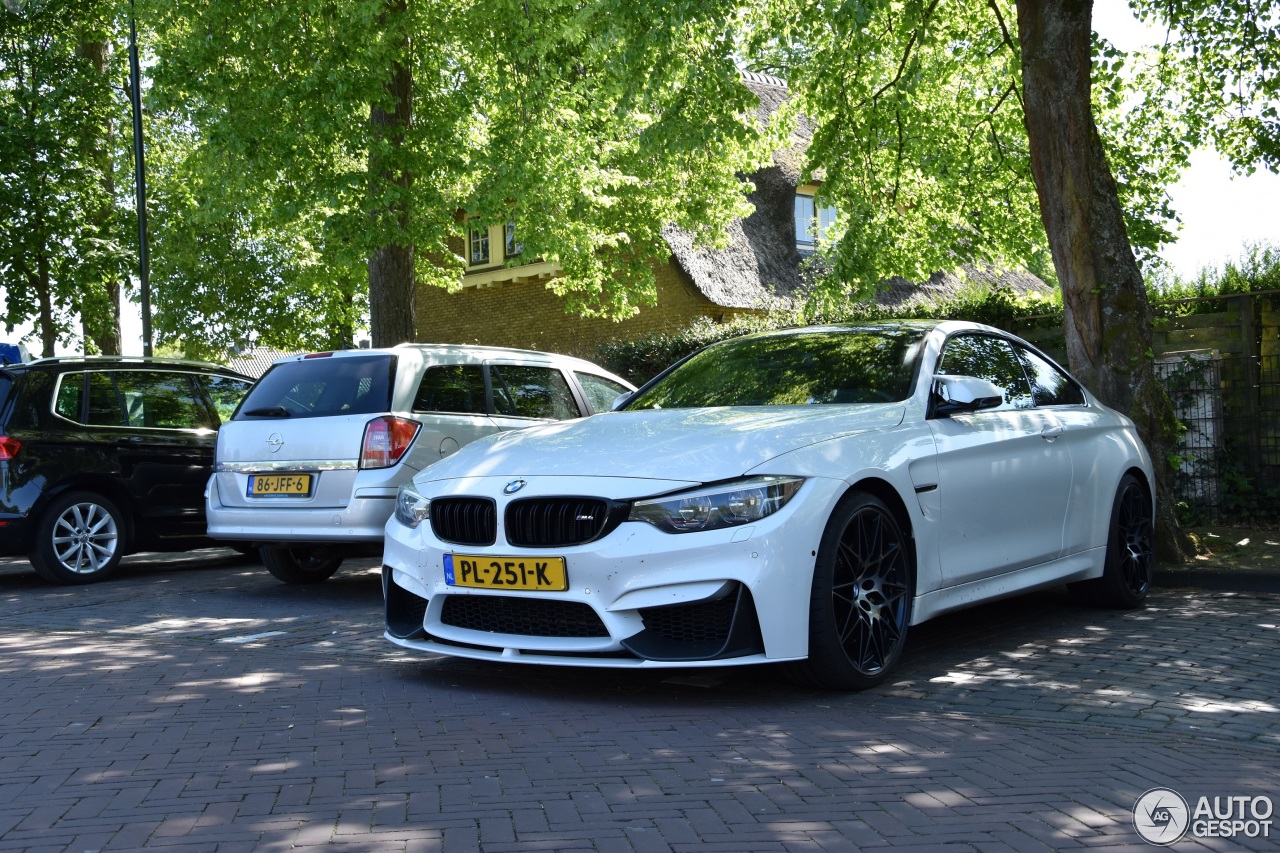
column 1126, row 578
column 860, row 605
column 299, row 565
column 79, row 539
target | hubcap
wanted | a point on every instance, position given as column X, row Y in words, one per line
column 85, row 538
column 869, row 590
column 1135, row 533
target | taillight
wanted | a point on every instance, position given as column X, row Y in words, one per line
column 8, row 447
column 385, row 441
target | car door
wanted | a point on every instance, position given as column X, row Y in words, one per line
column 1004, row 477
column 528, row 394
column 1053, row 390
column 162, row 438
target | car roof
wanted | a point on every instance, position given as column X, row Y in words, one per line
column 464, row 353
column 62, row 362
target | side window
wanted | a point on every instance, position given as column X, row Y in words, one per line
column 451, row 388
column 991, row 359
column 532, row 392
column 225, row 392
column 600, row 392
column 105, row 406
column 160, row 400
column 70, row 392
column 1049, row 385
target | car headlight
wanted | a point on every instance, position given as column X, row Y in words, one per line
column 411, row 507
column 715, row 507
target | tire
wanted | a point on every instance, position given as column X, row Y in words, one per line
column 80, row 538
column 1126, row 576
column 860, row 605
column 299, row 565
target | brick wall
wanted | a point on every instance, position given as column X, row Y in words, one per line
column 528, row 315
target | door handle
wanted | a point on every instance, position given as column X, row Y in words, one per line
column 1050, row 433
column 130, row 439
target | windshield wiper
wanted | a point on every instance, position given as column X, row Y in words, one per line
column 270, row 411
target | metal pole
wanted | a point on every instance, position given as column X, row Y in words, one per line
column 140, row 183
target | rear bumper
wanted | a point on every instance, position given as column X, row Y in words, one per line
column 15, row 534
column 363, row 519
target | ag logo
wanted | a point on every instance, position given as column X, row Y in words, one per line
column 275, row 441
column 1161, row 816
column 513, row 487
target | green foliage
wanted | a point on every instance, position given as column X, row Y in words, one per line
column 1256, row 270
column 1221, row 67
column 62, row 233
column 918, row 135
column 920, row 139
column 593, row 126
column 642, row 359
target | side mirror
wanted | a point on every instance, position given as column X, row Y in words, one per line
column 954, row 395
column 619, row 401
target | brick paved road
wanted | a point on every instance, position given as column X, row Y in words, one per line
column 210, row 708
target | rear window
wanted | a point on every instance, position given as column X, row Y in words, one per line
column 6, row 382
column 322, row 387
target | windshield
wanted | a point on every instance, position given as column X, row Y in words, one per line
column 319, row 387
column 819, row 366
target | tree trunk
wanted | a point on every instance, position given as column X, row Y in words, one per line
column 100, row 310
column 1107, row 315
column 391, row 279
column 39, row 282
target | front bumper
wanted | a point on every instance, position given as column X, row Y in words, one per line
column 637, row 597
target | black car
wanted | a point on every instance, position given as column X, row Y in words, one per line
column 106, row 456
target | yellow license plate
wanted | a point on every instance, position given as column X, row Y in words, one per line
column 279, row 485
column 539, row 574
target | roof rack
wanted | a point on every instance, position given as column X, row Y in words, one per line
column 123, row 359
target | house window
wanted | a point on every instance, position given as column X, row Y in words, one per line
column 812, row 223
column 511, row 248
column 479, row 242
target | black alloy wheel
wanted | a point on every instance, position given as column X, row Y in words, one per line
column 860, row 605
column 1130, row 558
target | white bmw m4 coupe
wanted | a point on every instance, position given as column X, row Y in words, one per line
column 801, row 497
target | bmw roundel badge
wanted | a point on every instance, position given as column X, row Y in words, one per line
column 513, row 487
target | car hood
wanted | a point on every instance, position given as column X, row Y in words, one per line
column 702, row 445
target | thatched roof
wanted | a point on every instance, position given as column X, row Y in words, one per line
column 760, row 266
column 254, row 361
column 944, row 285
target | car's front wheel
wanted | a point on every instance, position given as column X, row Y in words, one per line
column 299, row 565
column 1126, row 577
column 860, row 605
column 79, row 539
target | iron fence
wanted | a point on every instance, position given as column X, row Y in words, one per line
column 1229, row 454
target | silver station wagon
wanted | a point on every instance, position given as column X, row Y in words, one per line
column 309, row 465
